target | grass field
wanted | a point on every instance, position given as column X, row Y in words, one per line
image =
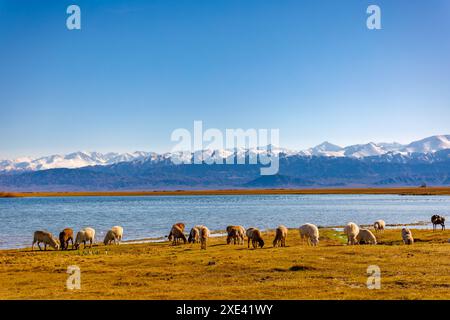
column 162, row 271
column 401, row 191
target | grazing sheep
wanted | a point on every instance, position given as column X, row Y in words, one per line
column 204, row 235
column 310, row 232
column 83, row 236
column 176, row 233
column 194, row 235
column 64, row 237
column 366, row 236
column 254, row 235
column 114, row 234
column 351, row 230
column 180, row 226
column 241, row 232
column 407, row 236
column 436, row 219
column 235, row 233
column 46, row 238
column 280, row 236
column 379, row 225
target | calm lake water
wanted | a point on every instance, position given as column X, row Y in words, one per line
column 152, row 216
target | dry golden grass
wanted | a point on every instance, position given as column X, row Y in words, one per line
column 161, row 271
column 401, row 191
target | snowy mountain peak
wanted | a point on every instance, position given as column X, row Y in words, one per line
column 326, row 149
column 327, row 146
column 430, row 144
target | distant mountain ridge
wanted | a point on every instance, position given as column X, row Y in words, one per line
column 422, row 162
column 326, row 149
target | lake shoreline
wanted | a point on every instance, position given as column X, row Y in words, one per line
column 419, row 191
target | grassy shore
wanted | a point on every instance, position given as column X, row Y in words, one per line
column 162, row 271
column 400, row 191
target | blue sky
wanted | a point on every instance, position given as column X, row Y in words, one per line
column 137, row 70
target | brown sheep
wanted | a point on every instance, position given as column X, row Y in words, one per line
column 204, row 235
column 194, row 235
column 407, row 236
column 254, row 235
column 181, row 225
column 46, row 238
column 176, row 233
column 280, row 236
column 235, row 234
column 436, row 219
column 64, row 237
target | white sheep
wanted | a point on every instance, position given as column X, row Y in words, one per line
column 114, row 234
column 379, row 225
column 84, row 235
column 46, row 238
column 310, row 232
column 407, row 236
column 366, row 236
column 351, row 230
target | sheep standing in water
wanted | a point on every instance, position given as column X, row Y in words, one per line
column 235, row 234
column 64, row 237
column 83, row 236
column 436, row 219
column 379, row 225
column 280, row 236
column 366, row 236
column 407, row 236
column 113, row 235
column 351, row 230
column 254, row 235
column 46, row 238
column 310, row 232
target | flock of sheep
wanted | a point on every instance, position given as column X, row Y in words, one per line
column 85, row 235
column 236, row 234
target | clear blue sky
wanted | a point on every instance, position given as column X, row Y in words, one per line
column 140, row 69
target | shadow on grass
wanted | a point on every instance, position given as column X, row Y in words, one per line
column 295, row 268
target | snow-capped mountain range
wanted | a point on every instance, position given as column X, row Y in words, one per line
column 325, row 149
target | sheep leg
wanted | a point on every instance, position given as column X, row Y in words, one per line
column 45, row 247
column 248, row 243
column 90, row 245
